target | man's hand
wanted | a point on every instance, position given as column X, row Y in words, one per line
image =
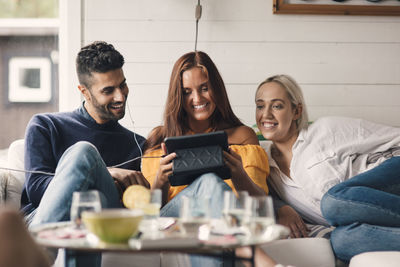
column 287, row 216
column 124, row 178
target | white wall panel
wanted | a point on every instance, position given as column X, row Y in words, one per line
column 269, row 52
column 147, row 95
column 362, row 73
column 243, row 31
column 327, row 95
column 177, row 10
column 143, row 118
column 234, row 10
column 347, row 65
column 376, row 114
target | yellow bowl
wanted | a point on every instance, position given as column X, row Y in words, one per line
column 113, row 225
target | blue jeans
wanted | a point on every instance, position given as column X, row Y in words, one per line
column 210, row 186
column 81, row 168
column 366, row 211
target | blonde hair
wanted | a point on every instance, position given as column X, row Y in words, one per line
column 295, row 95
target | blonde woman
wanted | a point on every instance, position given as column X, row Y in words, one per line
column 338, row 171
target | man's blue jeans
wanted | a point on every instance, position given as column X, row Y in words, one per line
column 366, row 211
column 81, row 168
column 210, row 186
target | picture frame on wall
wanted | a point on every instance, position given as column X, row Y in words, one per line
column 338, row 7
column 29, row 79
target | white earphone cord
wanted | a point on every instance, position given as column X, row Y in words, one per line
column 133, row 129
column 115, row 166
column 50, row 173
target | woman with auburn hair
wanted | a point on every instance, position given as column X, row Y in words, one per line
column 177, row 120
column 197, row 102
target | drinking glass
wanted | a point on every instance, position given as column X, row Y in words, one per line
column 236, row 208
column 194, row 214
column 84, row 201
column 262, row 215
column 151, row 210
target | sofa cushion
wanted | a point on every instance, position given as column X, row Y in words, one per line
column 15, row 180
column 301, row 252
column 376, row 259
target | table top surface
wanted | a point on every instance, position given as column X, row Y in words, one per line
column 65, row 235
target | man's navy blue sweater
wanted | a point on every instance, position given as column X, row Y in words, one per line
column 49, row 135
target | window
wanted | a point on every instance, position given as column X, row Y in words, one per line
column 29, row 63
column 29, row 79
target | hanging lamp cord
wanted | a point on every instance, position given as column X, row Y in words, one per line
column 197, row 16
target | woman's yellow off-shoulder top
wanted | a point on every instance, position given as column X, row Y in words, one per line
column 254, row 160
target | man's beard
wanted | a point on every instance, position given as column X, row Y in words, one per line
column 104, row 112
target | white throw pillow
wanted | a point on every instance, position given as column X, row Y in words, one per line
column 376, row 259
column 301, row 252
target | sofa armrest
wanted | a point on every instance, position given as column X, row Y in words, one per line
column 376, row 259
column 15, row 159
column 12, row 182
column 301, row 252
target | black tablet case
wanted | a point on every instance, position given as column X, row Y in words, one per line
column 197, row 154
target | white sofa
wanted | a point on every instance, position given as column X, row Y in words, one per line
column 305, row 252
column 11, row 183
column 376, row 259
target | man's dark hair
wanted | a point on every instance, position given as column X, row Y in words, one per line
column 97, row 57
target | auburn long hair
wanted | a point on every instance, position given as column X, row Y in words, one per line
column 175, row 119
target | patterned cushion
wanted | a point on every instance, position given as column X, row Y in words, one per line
column 320, row 231
column 3, row 185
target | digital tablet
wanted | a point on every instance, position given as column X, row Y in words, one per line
column 197, row 154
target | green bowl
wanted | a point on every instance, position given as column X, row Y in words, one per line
column 113, row 225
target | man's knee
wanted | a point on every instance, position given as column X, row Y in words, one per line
column 82, row 151
column 83, row 147
column 82, row 157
